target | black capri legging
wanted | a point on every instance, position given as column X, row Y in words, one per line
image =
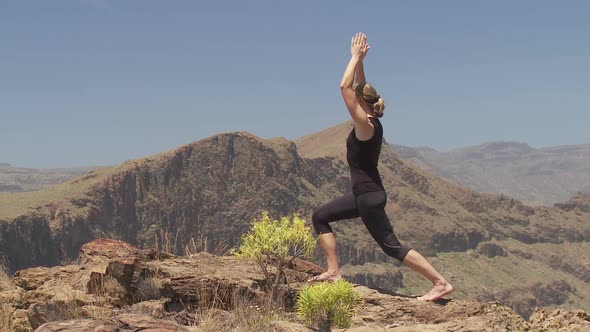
column 370, row 207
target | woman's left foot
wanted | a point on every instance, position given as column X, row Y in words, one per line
column 437, row 292
column 326, row 276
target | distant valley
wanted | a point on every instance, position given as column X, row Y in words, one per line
column 535, row 176
column 14, row 179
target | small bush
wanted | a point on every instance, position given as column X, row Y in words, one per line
column 273, row 241
column 328, row 302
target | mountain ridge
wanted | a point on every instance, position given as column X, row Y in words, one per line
column 208, row 192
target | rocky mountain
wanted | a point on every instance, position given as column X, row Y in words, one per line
column 13, row 179
column 115, row 286
column 536, row 176
column 203, row 195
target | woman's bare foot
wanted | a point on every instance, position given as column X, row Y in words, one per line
column 326, row 276
column 439, row 290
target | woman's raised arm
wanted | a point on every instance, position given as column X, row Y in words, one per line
column 358, row 49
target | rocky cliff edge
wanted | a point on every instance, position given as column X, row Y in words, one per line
column 114, row 286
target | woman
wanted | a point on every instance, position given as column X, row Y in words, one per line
column 367, row 199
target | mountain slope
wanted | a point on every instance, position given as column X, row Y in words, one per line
column 538, row 176
column 207, row 192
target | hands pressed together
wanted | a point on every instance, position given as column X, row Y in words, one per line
column 359, row 46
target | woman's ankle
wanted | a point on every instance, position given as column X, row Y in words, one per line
column 333, row 272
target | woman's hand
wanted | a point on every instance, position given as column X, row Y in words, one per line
column 359, row 46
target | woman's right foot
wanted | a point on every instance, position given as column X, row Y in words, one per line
column 437, row 292
column 326, row 276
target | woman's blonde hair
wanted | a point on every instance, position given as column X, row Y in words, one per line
column 370, row 95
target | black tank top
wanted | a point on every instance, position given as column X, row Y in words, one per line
column 363, row 157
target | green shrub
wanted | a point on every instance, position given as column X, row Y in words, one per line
column 328, row 302
column 272, row 242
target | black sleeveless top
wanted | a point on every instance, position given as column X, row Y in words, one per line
column 363, row 157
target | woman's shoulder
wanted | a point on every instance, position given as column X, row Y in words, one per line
column 375, row 121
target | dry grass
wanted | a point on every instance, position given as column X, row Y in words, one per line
column 246, row 315
column 218, row 307
column 164, row 242
column 194, row 247
column 191, row 248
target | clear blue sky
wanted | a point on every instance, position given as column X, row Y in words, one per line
column 97, row 82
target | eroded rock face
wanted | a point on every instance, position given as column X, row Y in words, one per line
column 117, row 287
column 113, row 275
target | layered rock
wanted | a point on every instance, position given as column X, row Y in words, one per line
column 109, row 290
column 121, row 322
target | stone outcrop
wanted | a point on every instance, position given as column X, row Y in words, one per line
column 108, row 289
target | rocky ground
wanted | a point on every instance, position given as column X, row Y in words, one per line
column 115, row 286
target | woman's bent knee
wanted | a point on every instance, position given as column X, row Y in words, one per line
column 398, row 252
column 320, row 222
column 393, row 248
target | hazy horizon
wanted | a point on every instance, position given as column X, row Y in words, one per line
column 413, row 147
column 98, row 82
